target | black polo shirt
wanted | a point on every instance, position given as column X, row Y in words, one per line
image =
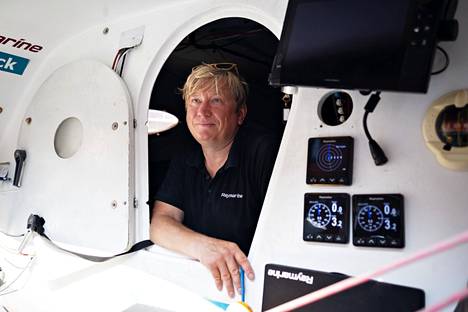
column 228, row 205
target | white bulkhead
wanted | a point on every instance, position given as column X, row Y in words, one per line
column 84, row 129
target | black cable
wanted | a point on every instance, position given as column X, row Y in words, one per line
column 376, row 151
column 36, row 224
column 122, row 64
column 369, row 108
column 364, row 124
column 447, row 61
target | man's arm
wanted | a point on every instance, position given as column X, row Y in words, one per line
column 222, row 258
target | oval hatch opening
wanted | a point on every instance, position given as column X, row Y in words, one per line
column 68, row 137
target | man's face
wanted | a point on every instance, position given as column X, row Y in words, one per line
column 212, row 117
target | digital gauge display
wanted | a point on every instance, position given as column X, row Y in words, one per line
column 378, row 220
column 326, row 217
column 330, row 160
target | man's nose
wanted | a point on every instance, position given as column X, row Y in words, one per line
column 204, row 109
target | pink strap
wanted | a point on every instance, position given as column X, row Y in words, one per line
column 451, row 299
column 360, row 279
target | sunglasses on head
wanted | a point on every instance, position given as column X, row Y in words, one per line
column 228, row 67
column 223, row 66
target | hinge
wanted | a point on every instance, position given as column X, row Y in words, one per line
column 135, row 202
column 134, row 123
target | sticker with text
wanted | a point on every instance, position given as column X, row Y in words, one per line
column 12, row 63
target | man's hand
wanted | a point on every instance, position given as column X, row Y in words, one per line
column 223, row 259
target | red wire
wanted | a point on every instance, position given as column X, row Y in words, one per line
column 117, row 56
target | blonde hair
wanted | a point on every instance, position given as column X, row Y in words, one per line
column 204, row 75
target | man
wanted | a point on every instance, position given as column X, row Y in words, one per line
column 209, row 203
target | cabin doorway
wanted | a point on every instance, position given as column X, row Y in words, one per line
column 235, row 40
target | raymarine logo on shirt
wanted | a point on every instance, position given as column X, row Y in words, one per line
column 13, row 63
column 225, row 195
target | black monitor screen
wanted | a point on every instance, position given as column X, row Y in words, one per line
column 359, row 44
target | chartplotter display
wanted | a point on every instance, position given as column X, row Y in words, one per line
column 359, row 44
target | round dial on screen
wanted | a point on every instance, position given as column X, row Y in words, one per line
column 319, row 215
column 330, row 158
column 370, row 218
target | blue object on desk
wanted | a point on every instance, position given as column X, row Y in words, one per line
column 219, row 304
column 241, row 272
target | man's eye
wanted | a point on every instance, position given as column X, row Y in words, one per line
column 216, row 101
column 195, row 101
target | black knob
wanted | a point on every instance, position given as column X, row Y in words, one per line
column 20, row 157
column 448, row 30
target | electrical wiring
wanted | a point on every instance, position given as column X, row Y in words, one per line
column 122, row 65
column 9, row 250
column 120, row 59
column 14, row 265
column 11, row 235
column 118, row 56
column 4, row 289
column 115, row 60
column 447, row 61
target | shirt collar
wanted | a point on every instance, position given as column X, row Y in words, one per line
column 234, row 153
column 198, row 160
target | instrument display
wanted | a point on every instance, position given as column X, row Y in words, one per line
column 330, row 160
column 378, row 220
column 326, row 217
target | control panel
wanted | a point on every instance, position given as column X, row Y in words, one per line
column 330, row 160
column 326, row 217
column 378, row 220
column 423, row 28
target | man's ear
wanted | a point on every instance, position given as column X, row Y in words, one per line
column 241, row 114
